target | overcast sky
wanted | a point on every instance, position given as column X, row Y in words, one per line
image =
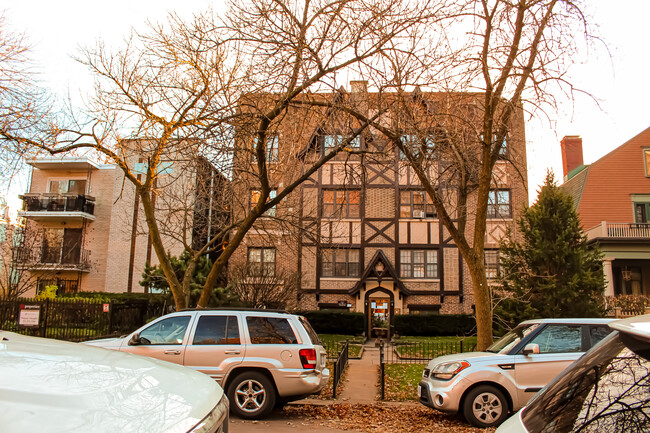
column 57, row 28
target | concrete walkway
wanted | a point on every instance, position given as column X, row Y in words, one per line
column 362, row 377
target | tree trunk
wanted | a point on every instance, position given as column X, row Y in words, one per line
column 483, row 304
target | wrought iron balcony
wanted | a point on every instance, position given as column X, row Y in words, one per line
column 77, row 259
column 58, row 206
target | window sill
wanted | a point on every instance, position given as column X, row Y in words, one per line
column 355, row 279
column 421, row 280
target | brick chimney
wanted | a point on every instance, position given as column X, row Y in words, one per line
column 571, row 154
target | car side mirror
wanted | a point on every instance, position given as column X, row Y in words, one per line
column 530, row 349
column 136, row 340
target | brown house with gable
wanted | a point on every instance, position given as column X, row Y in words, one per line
column 612, row 197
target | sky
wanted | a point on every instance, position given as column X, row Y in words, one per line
column 56, row 30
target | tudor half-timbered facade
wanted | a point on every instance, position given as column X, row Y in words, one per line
column 364, row 235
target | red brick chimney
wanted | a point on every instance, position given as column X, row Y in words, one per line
column 571, row 153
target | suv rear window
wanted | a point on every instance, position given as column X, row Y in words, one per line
column 270, row 330
column 313, row 336
column 217, row 330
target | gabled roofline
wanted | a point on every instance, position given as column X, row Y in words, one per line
column 387, row 274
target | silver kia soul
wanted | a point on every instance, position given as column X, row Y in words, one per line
column 486, row 386
column 260, row 357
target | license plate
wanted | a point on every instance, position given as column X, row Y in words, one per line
column 419, row 390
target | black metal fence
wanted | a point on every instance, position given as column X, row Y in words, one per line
column 412, row 352
column 73, row 320
column 339, row 367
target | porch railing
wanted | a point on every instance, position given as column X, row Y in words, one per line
column 620, row 230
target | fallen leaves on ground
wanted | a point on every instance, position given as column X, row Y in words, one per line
column 380, row 418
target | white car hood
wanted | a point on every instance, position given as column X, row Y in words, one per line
column 55, row 386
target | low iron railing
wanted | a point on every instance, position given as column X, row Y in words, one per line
column 339, row 366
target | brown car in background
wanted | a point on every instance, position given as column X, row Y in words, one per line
column 261, row 358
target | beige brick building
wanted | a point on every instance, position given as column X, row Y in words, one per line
column 361, row 233
column 85, row 228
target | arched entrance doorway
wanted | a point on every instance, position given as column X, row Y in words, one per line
column 379, row 310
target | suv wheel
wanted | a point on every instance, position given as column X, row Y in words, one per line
column 251, row 395
column 485, row 406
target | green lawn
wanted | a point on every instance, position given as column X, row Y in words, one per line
column 333, row 344
column 402, row 381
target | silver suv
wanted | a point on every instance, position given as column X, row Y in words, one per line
column 486, row 386
column 261, row 358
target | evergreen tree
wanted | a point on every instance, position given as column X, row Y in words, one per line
column 154, row 278
column 550, row 270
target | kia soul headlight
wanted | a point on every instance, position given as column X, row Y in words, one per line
column 447, row 370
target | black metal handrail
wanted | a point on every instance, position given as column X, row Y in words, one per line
column 339, row 366
column 58, row 203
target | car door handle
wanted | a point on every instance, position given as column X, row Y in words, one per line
column 232, row 352
column 172, row 352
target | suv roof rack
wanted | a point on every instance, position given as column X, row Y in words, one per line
column 269, row 310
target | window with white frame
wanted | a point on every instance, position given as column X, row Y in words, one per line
column 331, row 142
column 340, row 262
column 261, row 262
column 341, row 203
column 68, row 186
column 646, row 160
column 418, row 263
column 415, row 145
column 499, row 204
column 271, row 148
column 416, row 204
column 491, row 260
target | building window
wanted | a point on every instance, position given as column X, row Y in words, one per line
column 341, row 203
column 61, row 246
column 646, row 159
column 271, row 148
column 499, row 204
column 261, row 262
column 419, row 263
column 416, row 204
column 491, row 260
column 331, row 142
column 503, row 150
column 415, row 145
column 641, row 213
column 68, row 186
column 255, row 197
column 340, row 262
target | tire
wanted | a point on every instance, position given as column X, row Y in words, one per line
column 251, row 395
column 485, row 406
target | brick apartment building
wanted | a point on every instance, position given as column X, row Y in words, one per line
column 612, row 198
column 85, row 227
column 361, row 233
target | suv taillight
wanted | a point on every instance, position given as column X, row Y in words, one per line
column 308, row 358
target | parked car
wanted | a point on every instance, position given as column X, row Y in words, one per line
column 486, row 386
column 56, row 386
column 607, row 390
column 261, row 358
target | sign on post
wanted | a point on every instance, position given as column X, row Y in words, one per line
column 29, row 315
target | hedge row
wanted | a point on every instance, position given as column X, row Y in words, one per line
column 433, row 325
column 335, row 321
column 348, row 323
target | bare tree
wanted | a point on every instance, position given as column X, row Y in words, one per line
column 24, row 107
column 510, row 57
column 264, row 287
